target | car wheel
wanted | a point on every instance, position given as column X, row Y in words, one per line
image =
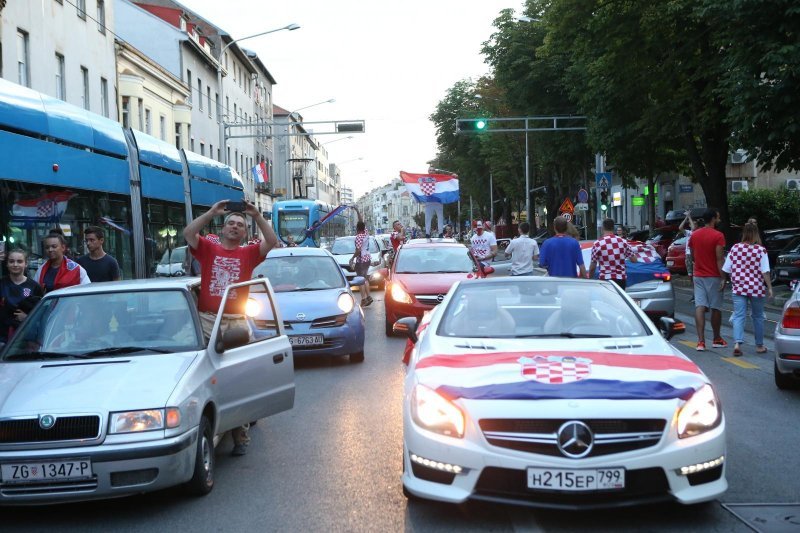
column 785, row 381
column 203, row 479
column 357, row 357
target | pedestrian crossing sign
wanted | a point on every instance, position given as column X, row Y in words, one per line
column 603, row 180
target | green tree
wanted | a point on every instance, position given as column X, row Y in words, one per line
column 771, row 208
column 760, row 75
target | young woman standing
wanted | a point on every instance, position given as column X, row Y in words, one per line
column 17, row 294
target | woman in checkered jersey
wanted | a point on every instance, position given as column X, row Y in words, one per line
column 748, row 267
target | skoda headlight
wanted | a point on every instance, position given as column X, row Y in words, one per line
column 700, row 414
column 144, row 420
column 399, row 294
column 433, row 412
column 345, row 302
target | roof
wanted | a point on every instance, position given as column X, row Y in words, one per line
column 422, row 243
column 183, row 283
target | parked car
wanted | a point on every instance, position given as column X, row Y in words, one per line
column 555, row 392
column 172, row 263
column 111, row 389
column 649, row 282
column 676, row 256
column 787, row 265
column 787, row 343
column 319, row 311
column 775, row 240
column 422, row 273
column 661, row 238
column 343, row 249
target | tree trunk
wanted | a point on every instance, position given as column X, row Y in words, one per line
column 651, row 200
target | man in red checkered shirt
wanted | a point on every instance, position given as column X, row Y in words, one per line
column 609, row 252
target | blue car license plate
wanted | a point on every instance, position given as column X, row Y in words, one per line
column 306, row 340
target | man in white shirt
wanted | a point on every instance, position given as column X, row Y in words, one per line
column 483, row 244
column 523, row 251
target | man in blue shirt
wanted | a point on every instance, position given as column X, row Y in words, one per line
column 561, row 254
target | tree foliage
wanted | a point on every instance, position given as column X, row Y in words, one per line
column 773, row 208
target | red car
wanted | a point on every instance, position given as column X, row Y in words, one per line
column 676, row 256
column 422, row 272
column 661, row 238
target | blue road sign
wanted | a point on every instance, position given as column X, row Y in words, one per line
column 583, row 196
column 603, row 180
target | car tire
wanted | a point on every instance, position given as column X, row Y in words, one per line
column 202, row 481
column 785, row 381
column 357, row 357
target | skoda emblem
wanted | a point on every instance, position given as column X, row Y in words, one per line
column 47, row 421
column 440, row 298
column 300, row 316
column 575, row 439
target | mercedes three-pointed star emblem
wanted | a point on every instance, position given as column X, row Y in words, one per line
column 575, row 439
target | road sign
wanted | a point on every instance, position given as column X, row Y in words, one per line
column 567, row 216
column 583, row 196
column 566, row 206
column 603, row 180
column 581, row 206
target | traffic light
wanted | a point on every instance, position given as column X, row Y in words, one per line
column 471, row 125
column 604, row 200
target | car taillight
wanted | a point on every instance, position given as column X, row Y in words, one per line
column 664, row 276
column 791, row 317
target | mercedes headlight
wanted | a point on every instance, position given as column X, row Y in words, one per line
column 345, row 302
column 433, row 412
column 144, row 420
column 699, row 414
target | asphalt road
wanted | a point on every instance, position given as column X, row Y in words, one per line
column 333, row 463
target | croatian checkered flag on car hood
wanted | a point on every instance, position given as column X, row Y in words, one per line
column 644, row 252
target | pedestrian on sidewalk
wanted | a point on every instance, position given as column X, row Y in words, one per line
column 748, row 267
column 224, row 264
column 708, row 252
column 609, row 252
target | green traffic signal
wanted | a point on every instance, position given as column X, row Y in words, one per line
column 480, row 125
column 471, row 125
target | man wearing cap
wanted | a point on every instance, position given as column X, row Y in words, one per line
column 483, row 243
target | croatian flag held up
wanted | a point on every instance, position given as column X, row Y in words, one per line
column 435, row 188
column 260, row 173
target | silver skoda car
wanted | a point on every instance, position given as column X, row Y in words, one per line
column 111, row 389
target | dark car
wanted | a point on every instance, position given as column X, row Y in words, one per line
column 775, row 240
column 787, row 265
column 639, row 236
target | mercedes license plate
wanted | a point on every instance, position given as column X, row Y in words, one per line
column 305, row 340
column 576, row 480
column 46, row 471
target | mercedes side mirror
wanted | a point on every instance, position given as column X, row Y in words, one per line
column 407, row 327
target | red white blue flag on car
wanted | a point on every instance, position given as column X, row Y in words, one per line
column 559, row 375
column 431, row 188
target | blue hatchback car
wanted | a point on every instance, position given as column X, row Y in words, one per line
column 319, row 313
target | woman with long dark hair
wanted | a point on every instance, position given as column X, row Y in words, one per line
column 748, row 267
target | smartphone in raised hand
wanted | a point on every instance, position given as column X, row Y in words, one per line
column 236, row 206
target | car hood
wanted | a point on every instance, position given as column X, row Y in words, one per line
column 64, row 386
column 310, row 304
column 596, row 369
column 430, row 283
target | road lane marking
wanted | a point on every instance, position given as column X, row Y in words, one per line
column 739, row 362
column 690, row 344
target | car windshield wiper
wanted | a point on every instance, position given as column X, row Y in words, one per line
column 564, row 334
column 116, row 350
column 33, row 356
column 309, row 289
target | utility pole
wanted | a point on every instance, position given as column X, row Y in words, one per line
column 600, row 165
column 491, row 199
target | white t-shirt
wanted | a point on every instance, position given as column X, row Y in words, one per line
column 522, row 251
column 482, row 244
column 688, row 233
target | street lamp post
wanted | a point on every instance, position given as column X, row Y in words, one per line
column 220, row 107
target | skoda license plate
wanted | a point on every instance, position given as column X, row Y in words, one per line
column 46, row 471
column 305, row 340
column 576, row 480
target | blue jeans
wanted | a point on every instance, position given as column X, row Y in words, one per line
column 740, row 314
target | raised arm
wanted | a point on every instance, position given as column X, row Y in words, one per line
column 192, row 232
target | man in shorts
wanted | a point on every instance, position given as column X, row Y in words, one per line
column 361, row 260
column 708, row 254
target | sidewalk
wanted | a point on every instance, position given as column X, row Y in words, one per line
column 781, row 292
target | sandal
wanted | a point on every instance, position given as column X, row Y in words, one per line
column 761, row 349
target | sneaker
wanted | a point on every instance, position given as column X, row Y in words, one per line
column 239, row 450
column 701, row 346
column 719, row 342
column 366, row 301
column 737, row 352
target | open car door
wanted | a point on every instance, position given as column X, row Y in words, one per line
column 253, row 361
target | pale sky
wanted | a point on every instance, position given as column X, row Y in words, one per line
column 388, row 63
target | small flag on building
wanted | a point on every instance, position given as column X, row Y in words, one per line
column 260, row 173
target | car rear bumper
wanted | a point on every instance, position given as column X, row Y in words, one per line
column 117, row 470
column 786, row 273
column 787, row 345
column 499, row 475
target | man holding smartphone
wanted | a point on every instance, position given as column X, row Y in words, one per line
column 224, row 264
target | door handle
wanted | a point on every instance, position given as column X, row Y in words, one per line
column 277, row 358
